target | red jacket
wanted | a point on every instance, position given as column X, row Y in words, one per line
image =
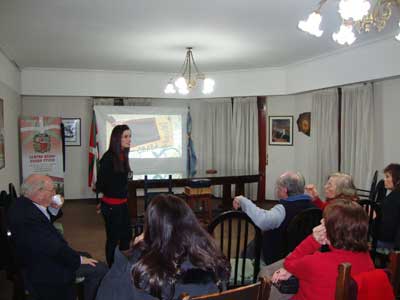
column 317, row 271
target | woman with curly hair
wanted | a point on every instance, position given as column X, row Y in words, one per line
column 173, row 255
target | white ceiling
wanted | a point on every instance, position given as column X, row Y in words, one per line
column 151, row 35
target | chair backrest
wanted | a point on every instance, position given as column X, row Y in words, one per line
column 301, row 226
column 256, row 291
column 345, row 288
column 380, row 192
column 233, row 230
column 148, row 184
column 373, row 211
column 371, row 193
column 8, row 253
column 11, row 191
column 394, row 268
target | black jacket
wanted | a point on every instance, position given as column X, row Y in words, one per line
column 389, row 230
column 109, row 182
column 117, row 284
column 44, row 254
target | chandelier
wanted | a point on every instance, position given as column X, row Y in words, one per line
column 355, row 14
column 188, row 77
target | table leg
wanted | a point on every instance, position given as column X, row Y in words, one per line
column 226, row 196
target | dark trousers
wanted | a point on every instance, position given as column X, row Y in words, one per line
column 92, row 278
column 118, row 228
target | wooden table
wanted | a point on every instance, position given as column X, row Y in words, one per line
column 238, row 178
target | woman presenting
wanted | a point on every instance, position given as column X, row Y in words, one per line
column 112, row 181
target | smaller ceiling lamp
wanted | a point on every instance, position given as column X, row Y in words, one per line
column 355, row 14
column 188, row 77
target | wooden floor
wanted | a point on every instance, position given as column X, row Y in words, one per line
column 84, row 231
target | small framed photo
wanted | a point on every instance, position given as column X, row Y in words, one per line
column 72, row 131
column 281, row 130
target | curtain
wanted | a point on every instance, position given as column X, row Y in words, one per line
column 211, row 134
column 324, row 136
column 357, row 136
column 245, row 140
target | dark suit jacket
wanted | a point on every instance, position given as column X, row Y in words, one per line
column 44, row 254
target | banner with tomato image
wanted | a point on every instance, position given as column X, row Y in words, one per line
column 41, row 148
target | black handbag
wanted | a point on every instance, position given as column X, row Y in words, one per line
column 289, row 286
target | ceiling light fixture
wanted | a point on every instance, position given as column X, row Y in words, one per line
column 188, row 77
column 355, row 14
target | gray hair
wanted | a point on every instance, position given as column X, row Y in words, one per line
column 29, row 187
column 293, row 181
column 344, row 184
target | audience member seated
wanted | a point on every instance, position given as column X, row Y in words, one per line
column 273, row 222
column 339, row 185
column 344, row 228
column 173, row 255
column 389, row 233
column 48, row 263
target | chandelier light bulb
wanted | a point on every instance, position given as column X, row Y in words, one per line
column 345, row 35
column 183, row 91
column 311, row 25
column 169, row 89
column 397, row 37
column 180, row 83
column 354, row 9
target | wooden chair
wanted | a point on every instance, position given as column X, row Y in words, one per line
column 373, row 211
column 148, row 184
column 12, row 192
column 255, row 291
column 394, row 268
column 346, row 287
column 301, row 226
column 233, row 230
column 371, row 193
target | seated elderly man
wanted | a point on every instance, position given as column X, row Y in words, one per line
column 49, row 264
column 273, row 222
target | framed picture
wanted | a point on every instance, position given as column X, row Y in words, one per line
column 281, row 130
column 72, row 131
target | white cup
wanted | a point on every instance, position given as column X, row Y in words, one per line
column 57, row 199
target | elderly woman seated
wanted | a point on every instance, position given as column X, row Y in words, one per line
column 339, row 185
column 344, row 228
column 173, row 255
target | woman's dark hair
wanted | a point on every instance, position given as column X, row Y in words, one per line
column 346, row 225
column 394, row 170
column 173, row 235
column 120, row 156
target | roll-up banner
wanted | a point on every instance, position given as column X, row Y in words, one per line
column 41, row 148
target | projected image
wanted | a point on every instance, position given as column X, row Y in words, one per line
column 153, row 136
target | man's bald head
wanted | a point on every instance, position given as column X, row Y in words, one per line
column 290, row 184
column 39, row 188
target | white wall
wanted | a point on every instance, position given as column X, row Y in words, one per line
column 284, row 158
column 371, row 61
column 10, row 93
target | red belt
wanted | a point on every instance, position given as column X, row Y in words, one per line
column 114, row 201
